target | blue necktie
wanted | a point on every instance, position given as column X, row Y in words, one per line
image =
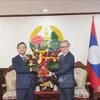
column 23, row 58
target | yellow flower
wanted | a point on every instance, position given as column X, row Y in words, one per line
column 45, row 84
column 46, row 50
column 40, row 55
column 39, row 61
column 54, row 59
column 36, row 50
column 32, row 53
column 41, row 52
column 33, row 57
column 30, row 64
column 27, row 58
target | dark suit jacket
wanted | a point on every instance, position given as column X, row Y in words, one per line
column 23, row 75
column 65, row 74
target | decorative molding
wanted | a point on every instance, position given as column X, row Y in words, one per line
column 55, row 14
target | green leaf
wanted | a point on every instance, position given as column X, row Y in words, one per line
column 53, row 67
column 54, row 35
column 31, row 45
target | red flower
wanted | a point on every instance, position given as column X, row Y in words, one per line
column 58, row 50
column 34, row 61
column 37, row 53
column 51, row 60
column 27, row 60
column 48, row 60
column 30, row 56
column 45, row 54
column 43, row 59
column 37, row 56
column 49, row 53
column 55, row 55
column 43, row 63
column 56, row 60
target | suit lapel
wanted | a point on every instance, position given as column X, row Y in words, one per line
column 66, row 55
column 20, row 58
column 64, row 59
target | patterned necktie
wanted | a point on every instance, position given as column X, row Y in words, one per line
column 62, row 57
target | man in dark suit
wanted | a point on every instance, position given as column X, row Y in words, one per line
column 25, row 78
column 65, row 74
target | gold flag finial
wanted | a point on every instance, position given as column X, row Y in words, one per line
column 92, row 17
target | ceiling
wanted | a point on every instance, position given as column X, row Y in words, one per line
column 25, row 7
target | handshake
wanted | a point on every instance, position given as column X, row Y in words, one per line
column 50, row 74
column 33, row 69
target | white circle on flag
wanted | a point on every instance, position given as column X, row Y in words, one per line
column 94, row 55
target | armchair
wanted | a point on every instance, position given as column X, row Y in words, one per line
column 81, row 77
column 9, row 92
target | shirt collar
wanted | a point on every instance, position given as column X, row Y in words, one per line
column 21, row 55
column 65, row 53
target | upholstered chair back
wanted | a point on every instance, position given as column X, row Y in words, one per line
column 81, row 77
column 10, row 83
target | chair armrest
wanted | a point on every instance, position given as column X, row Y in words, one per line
column 88, row 83
column 3, row 88
column 87, row 86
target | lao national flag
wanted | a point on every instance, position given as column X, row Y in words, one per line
column 94, row 59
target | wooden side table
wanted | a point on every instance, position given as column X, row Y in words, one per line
column 46, row 95
column 96, row 95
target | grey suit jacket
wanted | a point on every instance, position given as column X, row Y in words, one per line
column 65, row 74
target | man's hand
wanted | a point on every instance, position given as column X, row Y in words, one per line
column 34, row 70
column 50, row 74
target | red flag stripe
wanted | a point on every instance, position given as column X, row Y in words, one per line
column 93, row 28
column 95, row 82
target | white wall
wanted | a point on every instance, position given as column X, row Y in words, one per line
column 76, row 29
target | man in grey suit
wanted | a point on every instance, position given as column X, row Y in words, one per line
column 65, row 73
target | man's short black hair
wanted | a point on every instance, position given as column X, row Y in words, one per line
column 20, row 44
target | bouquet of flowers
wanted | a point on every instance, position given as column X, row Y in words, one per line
column 44, row 55
column 42, row 60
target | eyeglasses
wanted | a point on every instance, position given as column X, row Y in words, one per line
column 63, row 47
